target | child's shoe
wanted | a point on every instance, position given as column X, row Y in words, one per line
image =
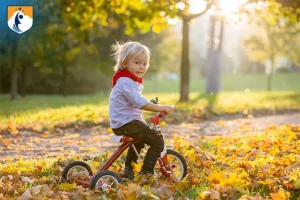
column 127, row 174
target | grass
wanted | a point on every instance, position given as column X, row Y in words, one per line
column 230, row 82
column 194, row 191
column 47, row 111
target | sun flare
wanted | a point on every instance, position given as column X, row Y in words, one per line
column 197, row 6
column 231, row 5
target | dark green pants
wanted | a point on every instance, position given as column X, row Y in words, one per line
column 138, row 130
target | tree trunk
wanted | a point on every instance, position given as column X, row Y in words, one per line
column 270, row 76
column 221, row 35
column 64, row 80
column 213, row 70
column 185, row 63
column 14, row 70
column 212, row 32
column 23, row 80
column 269, row 82
column 1, row 74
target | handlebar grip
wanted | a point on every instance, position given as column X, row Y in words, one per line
column 154, row 101
column 155, row 120
column 162, row 114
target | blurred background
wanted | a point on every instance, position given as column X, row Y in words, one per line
column 205, row 46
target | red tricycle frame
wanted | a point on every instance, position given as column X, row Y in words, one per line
column 165, row 168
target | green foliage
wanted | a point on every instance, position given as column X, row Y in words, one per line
column 69, row 44
column 277, row 33
column 68, row 49
column 138, row 14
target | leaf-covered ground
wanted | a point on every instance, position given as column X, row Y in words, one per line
column 79, row 141
column 262, row 164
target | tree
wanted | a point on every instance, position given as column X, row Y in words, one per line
column 186, row 17
column 3, row 58
column 213, row 60
column 12, row 48
column 280, row 30
column 213, row 71
column 138, row 15
column 72, row 26
column 65, row 32
column 264, row 50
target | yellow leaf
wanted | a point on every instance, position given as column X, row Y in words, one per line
column 272, row 127
column 45, row 135
column 207, row 163
column 195, row 181
column 221, row 123
column 131, row 190
column 94, row 116
column 250, row 116
column 229, row 111
column 156, row 28
column 67, row 186
column 72, row 136
column 11, row 126
column 276, row 196
column 217, row 177
column 297, row 183
column 109, row 130
column 163, row 124
column 80, row 142
column 182, row 185
column 137, row 166
column 190, row 152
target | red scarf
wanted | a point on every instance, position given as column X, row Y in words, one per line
column 125, row 73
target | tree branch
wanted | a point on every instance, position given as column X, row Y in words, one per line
column 192, row 16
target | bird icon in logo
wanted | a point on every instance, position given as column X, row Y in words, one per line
column 20, row 18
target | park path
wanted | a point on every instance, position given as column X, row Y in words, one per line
column 96, row 139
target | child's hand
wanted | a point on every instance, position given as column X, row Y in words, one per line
column 157, row 108
column 167, row 109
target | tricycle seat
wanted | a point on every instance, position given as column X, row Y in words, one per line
column 121, row 138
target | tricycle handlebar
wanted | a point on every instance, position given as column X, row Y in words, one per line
column 162, row 114
column 155, row 120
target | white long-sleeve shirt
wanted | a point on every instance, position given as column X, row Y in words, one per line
column 125, row 102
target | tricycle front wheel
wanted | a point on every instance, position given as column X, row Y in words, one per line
column 104, row 180
column 76, row 170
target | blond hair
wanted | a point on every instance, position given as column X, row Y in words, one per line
column 123, row 51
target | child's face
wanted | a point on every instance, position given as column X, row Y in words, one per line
column 138, row 65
